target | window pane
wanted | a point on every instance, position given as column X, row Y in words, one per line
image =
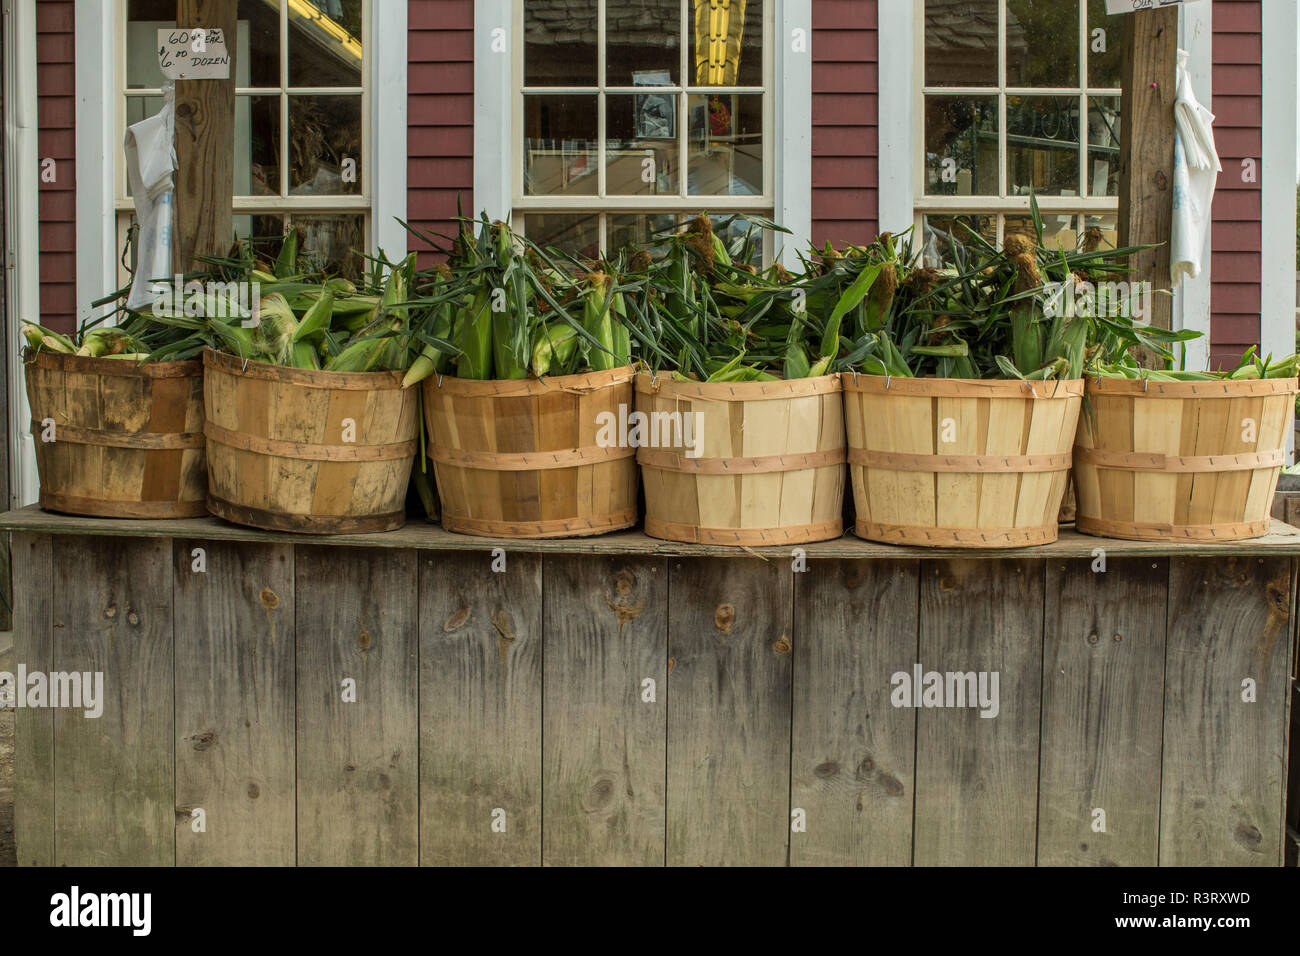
column 1043, row 43
column 1108, row 225
column 325, row 145
column 559, row 43
column 257, row 61
column 257, row 146
column 267, row 233
column 1103, row 145
column 578, row 233
column 641, row 148
column 633, row 230
column 1105, row 49
column 1059, row 230
column 961, row 42
column 1043, row 145
column 727, row 42
column 560, row 146
column 257, row 53
column 642, row 42
column 726, row 146
column 961, row 145
column 942, row 233
column 330, row 242
column 325, row 43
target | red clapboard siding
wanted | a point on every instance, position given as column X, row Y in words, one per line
column 440, row 113
column 845, row 141
column 56, row 113
column 1235, row 238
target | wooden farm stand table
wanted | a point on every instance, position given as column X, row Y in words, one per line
column 624, row 700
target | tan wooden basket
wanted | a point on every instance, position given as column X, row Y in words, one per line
column 521, row 458
column 770, row 468
column 127, row 437
column 301, row 450
column 959, row 463
column 1172, row 461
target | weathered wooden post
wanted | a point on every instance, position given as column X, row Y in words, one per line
column 1147, row 127
column 205, row 123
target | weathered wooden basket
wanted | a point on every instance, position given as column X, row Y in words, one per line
column 127, row 437
column 301, row 450
column 532, row 458
column 959, row 463
column 1173, row 461
column 767, row 466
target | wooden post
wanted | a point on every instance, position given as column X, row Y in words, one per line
column 205, row 125
column 1146, row 169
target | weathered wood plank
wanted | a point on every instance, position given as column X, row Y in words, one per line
column 604, row 728
column 358, row 788
column 235, row 704
column 34, row 727
column 1282, row 539
column 853, row 764
column 1224, row 767
column 977, row 777
column 729, row 642
column 480, row 711
column 1103, row 714
column 114, row 774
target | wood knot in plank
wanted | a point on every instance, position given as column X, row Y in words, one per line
column 457, row 619
column 270, row 600
column 505, row 632
column 364, row 640
column 621, row 601
column 204, row 740
column 782, row 645
column 724, row 617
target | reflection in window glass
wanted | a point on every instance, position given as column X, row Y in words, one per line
column 726, row 146
column 641, row 144
column 1103, row 145
column 1105, row 47
column 961, row 42
column 559, row 43
column 1060, row 230
column 1043, row 43
column 961, row 145
column 726, row 41
column 331, row 242
column 643, row 42
column 325, row 145
column 577, row 233
column 257, row 146
column 1043, row 145
column 325, row 39
column 944, row 236
column 561, row 150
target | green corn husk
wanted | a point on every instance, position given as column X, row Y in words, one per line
column 555, row 348
column 304, row 355
column 316, row 319
column 39, row 337
column 286, row 263
column 598, row 320
column 104, row 341
column 356, row 357
column 474, row 336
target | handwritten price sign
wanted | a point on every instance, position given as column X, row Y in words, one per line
column 196, row 54
column 1130, row 6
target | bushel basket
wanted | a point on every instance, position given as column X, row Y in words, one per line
column 959, row 463
column 116, row 438
column 310, row 451
column 532, row 458
column 1176, row 461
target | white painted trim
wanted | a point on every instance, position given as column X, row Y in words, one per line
column 792, row 155
column 493, row 108
column 1191, row 307
column 1278, row 174
column 387, row 53
column 896, row 95
column 22, row 237
column 97, row 152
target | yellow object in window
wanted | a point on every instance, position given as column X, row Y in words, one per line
column 719, row 26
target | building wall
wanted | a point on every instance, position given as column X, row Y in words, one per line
column 1235, row 236
column 845, row 141
column 440, row 113
column 56, row 140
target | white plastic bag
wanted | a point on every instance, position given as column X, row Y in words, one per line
column 151, row 166
column 1196, row 172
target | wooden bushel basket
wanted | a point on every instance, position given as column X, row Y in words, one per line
column 128, row 437
column 959, row 463
column 522, row 458
column 770, row 463
column 302, row 450
column 1178, row 461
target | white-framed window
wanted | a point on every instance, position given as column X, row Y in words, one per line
column 627, row 116
column 1013, row 98
column 303, row 138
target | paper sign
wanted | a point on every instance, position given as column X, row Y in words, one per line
column 196, row 54
column 1129, row 6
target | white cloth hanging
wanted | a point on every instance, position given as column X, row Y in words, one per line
column 151, row 165
column 1196, row 172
